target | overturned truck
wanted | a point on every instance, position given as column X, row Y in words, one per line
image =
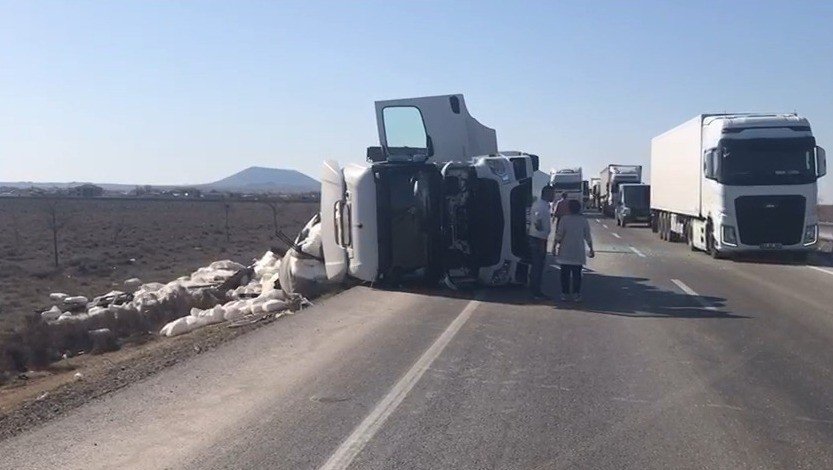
column 436, row 201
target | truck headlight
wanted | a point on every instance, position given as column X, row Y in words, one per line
column 498, row 168
column 730, row 236
column 811, row 235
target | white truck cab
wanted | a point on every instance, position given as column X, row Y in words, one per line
column 730, row 183
column 427, row 205
column 568, row 180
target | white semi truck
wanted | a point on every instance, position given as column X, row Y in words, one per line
column 730, row 183
column 438, row 200
column 568, row 180
column 611, row 177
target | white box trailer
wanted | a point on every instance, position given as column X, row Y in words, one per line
column 729, row 183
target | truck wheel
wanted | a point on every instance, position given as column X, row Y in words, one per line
column 663, row 227
column 690, row 237
column 653, row 222
column 623, row 223
column 712, row 249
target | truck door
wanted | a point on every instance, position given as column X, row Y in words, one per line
column 335, row 226
column 450, row 132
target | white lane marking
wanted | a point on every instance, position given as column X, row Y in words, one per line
column 616, row 235
column 641, row 254
column 364, row 432
column 604, row 225
column 821, row 269
column 688, row 290
column 599, row 221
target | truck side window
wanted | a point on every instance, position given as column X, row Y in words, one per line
column 709, row 163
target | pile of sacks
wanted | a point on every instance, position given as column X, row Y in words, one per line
column 224, row 291
column 258, row 297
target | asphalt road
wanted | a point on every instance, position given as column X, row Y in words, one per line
column 674, row 360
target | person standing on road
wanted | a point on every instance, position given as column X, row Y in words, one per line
column 560, row 209
column 539, row 232
column 571, row 234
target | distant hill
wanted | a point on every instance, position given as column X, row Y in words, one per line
column 260, row 179
column 252, row 180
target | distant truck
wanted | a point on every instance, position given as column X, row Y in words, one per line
column 594, row 193
column 437, row 201
column 610, row 178
column 730, row 183
column 633, row 205
column 568, row 180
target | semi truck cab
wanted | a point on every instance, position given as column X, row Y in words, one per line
column 759, row 189
column 414, row 212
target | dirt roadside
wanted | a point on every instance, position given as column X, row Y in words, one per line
column 44, row 395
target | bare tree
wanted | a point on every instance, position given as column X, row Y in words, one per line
column 14, row 226
column 57, row 219
column 273, row 205
column 228, row 229
column 118, row 227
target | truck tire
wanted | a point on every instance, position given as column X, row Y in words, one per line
column 623, row 223
column 654, row 221
column 690, row 237
column 713, row 252
column 661, row 225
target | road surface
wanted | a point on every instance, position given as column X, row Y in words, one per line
column 675, row 360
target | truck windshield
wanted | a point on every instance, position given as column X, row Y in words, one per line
column 768, row 161
column 637, row 197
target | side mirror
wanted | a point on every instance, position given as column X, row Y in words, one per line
column 375, row 154
column 821, row 162
column 709, row 167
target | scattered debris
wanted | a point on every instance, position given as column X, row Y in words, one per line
column 78, row 376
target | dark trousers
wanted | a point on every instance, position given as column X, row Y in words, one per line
column 568, row 272
column 538, row 255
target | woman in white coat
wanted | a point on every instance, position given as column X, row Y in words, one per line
column 572, row 233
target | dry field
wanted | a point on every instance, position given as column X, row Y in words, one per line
column 103, row 242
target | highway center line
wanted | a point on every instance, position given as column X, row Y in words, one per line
column 616, row 235
column 821, row 269
column 641, row 254
column 364, row 432
column 688, row 290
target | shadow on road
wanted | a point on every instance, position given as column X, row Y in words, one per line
column 635, row 297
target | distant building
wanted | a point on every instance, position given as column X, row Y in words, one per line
column 86, row 190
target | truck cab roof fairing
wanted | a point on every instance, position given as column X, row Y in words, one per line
column 455, row 135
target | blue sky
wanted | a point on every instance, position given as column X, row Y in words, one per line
column 188, row 92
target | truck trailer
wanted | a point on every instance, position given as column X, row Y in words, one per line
column 611, row 177
column 731, row 183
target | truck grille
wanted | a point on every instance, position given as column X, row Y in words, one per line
column 770, row 219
